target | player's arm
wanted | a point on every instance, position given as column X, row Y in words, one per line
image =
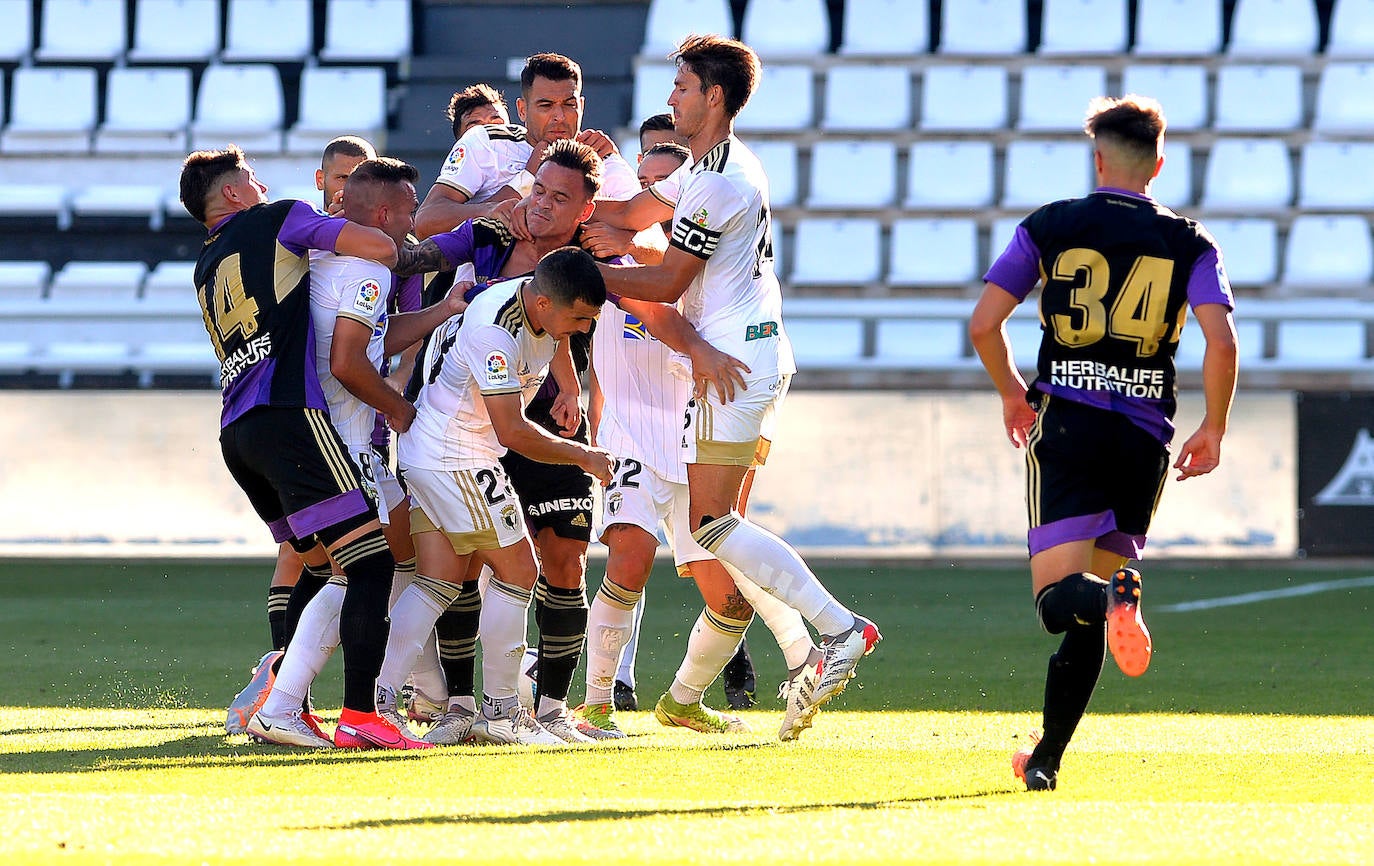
column 710, row 366
column 405, row 368
column 366, row 242
column 635, row 213
column 404, row 330
column 519, row 434
column 567, row 406
column 444, row 208
column 596, row 401
column 987, row 329
column 1201, row 453
column 606, row 241
column 349, row 363
column 665, row 282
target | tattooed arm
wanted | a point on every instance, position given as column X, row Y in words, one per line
column 420, row 258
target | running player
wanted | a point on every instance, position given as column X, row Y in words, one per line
column 1120, row 271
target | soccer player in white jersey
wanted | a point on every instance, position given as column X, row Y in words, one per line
column 719, row 264
column 491, row 164
column 481, row 369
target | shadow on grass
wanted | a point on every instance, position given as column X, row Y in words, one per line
column 57, row 729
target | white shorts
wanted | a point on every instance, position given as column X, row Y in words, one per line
column 476, row 508
column 641, row 497
column 379, row 482
column 735, row 433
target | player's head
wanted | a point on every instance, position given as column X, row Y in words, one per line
column 660, row 161
column 564, row 190
column 1128, row 136
column 550, row 103
column 657, row 130
column 215, row 183
column 715, row 76
column 381, row 193
column 340, row 157
column 567, row 292
column 475, row 105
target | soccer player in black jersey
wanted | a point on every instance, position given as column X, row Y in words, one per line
column 252, row 279
column 1120, row 272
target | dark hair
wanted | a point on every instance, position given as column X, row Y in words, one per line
column 373, row 178
column 1136, row 123
column 580, row 158
column 568, row 275
column 465, row 100
column 728, row 63
column 669, row 148
column 348, row 145
column 554, row 67
column 202, row 171
column 656, row 123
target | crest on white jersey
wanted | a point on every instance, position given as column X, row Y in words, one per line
column 498, row 369
column 369, row 296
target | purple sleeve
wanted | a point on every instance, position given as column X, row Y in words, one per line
column 457, row 245
column 305, row 228
column 409, row 293
column 1208, row 284
column 1018, row 268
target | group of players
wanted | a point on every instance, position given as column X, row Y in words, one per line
column 548, row 232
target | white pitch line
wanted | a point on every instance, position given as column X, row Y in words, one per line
column 1267, row 595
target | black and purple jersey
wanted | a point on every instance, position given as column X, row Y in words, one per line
column 1120, row 271
column 253, row 282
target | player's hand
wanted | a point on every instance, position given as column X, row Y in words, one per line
column 511, row 213
column 536, row 156
column 604, row 241
column 1200, row 454
column 598, row 463
column 710, row 366
column 401, row 422
column 336, row 206
column 455, row 303
column 1017, row 418
column 566, row 413
column 597, row 141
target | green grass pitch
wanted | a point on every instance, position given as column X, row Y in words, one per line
column 1250, row 740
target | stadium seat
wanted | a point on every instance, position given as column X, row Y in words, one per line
column 268, row 30
column 1249, row 250
column 1180, row 28
column 921, row 343
column 84, row 283
column 1352, row 29
column 1273, row 28
column 36, row 200
column 1038, row 172
column 1307, row 344
column 53, row 110
column 143, row 201
column 826, row 342
column 785, row 100
column 652, row 87
column 991, row 27
column 779, row 160
column 1245, row 174
column 949, row 174
column 240, row 103
column 1328, row 254
column 1335, row 175
column 1083, row 27
column 175, row 30
column 816, row 262
column 1025, row 335
column 339, row 100
column 16, row 32
column 1173, row 187
column 670, row 20
column 867, row 98
column 1000, row 236
column 24, row 281
column 172, row 282
column 1181, row 88
column 786, row 28
column 896, row 28
column 1343, row 103
column 357, row 30
column 847, row 174
column 1055, row 98
column 147, row 110
column 82, row 30
column 1192, row 345
column 934, row 252
column 964, row 98
column 1264, row 98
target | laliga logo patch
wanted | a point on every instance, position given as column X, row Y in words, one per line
column 456, row 156
column 700, row 217
column 498, row 370
column 369, row 293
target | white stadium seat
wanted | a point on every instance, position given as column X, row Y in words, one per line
column 185, row 30
column 992, row 27
column 339, row 100
column 1249, row 249
column 1039, row 172
column 36, row 200
column 16, row 32
column 1173, row 188
column 934, row 252
column 121, row 199
column 89, row 30
column 964, row 98
column 1249, row 344
column 785, row 100
column 268, row 30
column 921, row 343
column 1273, row 28
column 1248, row 174
column 1025, row 335
column 357, row 30
column 1328, row 253
column 867, row 98
column 822, row 342
column 1335, row 175
column 779, row 160
column 1352, row 29
column 949, row 174
column 1320, row 344
column 1258, row 97
column 1000, row 236
column 1083, row 27
column 1180, row 88
column 853, row 174
column 653, row 85
column 1180, row 28
column 670, row 20
column 147, row 110
column 24, row 281
column 1055, row 98
column 53, row 110
column 1343, row 103
column 814, row 252
column 171, row 281
column 241, row 103
column 81, row 283
column 885, row 27
column 786, row 28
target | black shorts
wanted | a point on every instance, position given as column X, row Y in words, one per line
column 295, row 470
column 1091, row 474
column 555, row 495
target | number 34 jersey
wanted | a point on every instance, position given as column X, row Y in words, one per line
column 1120, row 271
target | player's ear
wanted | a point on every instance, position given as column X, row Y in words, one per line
column 319, row 179
column 520, row 108
column 587, row 211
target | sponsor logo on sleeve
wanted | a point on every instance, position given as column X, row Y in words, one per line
column 369, row 296
column 498, row 369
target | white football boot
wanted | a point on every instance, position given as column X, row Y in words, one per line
column 516, row 728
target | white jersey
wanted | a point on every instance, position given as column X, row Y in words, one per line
column 489, row 157
column 348, row 287
column 487, row 351
column 641, row 415
column 721, row 215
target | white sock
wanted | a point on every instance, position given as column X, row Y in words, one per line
column 776, row 567
column 466, row 703
column 400, row 579
column 428, row 674
column 549, row 705
column 412, row 623
column 505, row 612
column 610, row 626
column 626, row 672
column 317, row 634
column 787, row 626
column 710, row 646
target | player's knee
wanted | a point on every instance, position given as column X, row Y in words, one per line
column 366, row 560
column 1077, row 600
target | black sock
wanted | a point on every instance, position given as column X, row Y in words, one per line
column 1076, row 600
column 561, row 615
column 457, row 630
column 278, row 597
column 363, row 625
column 1069, row 685
column 311, row 581
column 739, row 671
